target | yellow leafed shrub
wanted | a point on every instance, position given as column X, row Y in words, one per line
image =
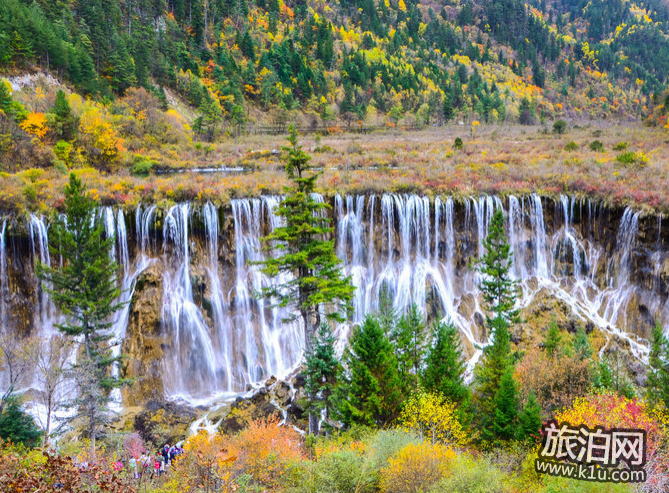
column 35, row 124
column 432, row 418
column 416, row 468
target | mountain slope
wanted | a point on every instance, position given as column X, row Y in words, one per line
column 354, row 60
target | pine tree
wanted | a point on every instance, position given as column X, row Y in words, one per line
column 387, row 314
column 84, row 289
column 65, row 123
column 8, row 105
column 407, row 338
column 603, row 379
column 447, row 107
column 322, row 367
column 529, row 420
column 6, row 99
column 316, row 280
column 444, row 364
column 552, row 340
column 581, row 345
column 657, row 386
column 17, row 426
column 505, row 421
column 538, row 74
column 247, row 47
column 369, row 390
column 499, row 293
column 498, row 289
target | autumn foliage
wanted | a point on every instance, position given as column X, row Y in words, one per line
column 38, row 470
column 415, row 468
column 261, row 453
column 433, row 418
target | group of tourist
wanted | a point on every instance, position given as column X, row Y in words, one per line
column 146, row 464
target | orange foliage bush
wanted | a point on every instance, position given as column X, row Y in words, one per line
column 36, row 470
column 416, row 468
column 263, row 451
column 267, row 449
column 554, row 382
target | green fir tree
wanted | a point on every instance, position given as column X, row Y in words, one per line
column 581, row 345
column 321, row 370
column 408, row 341
column 316, row 285
column 657, row 386
column 444, row 364
column 63, row 122
column 84, row 289
column 369, row 390
column 17, row 426
column 529, row 420
column 499, row 294
column 552, row 340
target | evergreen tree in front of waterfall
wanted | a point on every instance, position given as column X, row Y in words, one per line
column 495, row 396
column 369, row 390
column 444, row 369
column 407, row 337
column 315, row 286
column 321, row 369
column 83, row 287
column 657, row 385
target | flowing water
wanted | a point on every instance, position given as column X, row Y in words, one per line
column 220, row 337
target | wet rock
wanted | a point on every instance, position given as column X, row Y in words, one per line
column 282, row 393
column 270, row 381
column 144, row 340
column 639, row 373
column 164, row 422
column 244, row 410
column 298, row 381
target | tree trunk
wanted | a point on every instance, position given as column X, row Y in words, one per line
column 309, row 331
column 48, row 424
column 92, row 426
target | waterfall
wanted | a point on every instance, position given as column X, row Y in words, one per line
column 4, row 284
column 221, row 337
column 126, row 283
column 39, row 242
column 539, row 238
column 190, row 365
column 219, row 307
column 267, row 345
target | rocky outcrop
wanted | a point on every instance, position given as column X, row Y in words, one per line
column 164, row 422
column 144, row 340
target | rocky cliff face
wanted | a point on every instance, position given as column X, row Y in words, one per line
column 194, row 330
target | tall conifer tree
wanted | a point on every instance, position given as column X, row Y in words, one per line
column 322, row 368
column 444, row 364
column 316, row 287
column 657, row 386
column 369, row 390
column 499, row 294
column 84, row 290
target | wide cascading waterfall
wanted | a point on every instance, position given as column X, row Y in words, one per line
column 219, row 337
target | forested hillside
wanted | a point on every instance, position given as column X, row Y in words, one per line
column 337, row 63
